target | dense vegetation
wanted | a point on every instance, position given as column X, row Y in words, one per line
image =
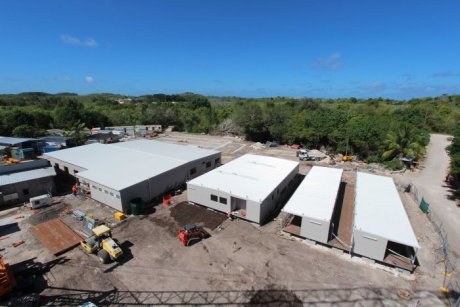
column 374, row 129
column 454, row 151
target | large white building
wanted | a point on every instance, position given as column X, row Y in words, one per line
column 313, row 203
column 249, row 186
column 381, row 228
column 115, row 174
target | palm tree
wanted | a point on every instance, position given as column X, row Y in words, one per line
column 405, row 141
column 76, row 131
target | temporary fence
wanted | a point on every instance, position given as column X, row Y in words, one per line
column 451, row 284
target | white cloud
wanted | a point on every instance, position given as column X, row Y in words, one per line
column 60, row 79
column 332, row 62
column 376, row 86
column 72, row 40
column 89, row 79
column 446, row 74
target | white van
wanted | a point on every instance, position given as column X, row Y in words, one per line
column 39, row 201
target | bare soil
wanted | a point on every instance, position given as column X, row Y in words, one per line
column 186, row 213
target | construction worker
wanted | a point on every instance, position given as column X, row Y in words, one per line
column 229, row 215
column 75, row 188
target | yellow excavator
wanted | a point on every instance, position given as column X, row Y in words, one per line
column 102, row 244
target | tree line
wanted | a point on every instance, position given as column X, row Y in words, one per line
column 375, row 130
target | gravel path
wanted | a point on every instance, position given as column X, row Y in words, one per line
column 430, row 184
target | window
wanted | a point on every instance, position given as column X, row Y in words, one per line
column 213, row 197
column 56, row 165
column 273, row 195
column 217, row 161
column 111, row 194
column 106, row 192
column 94, row 187
column 208, row 164
column 25, row 191
column 66, row 169
column 118, row 196
column 223, row 200
column 100, row 189
column 193, row 171
column 75, row 171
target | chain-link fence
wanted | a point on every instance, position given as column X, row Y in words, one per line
column 451, row 285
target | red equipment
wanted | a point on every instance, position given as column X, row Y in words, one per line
column 190, row 233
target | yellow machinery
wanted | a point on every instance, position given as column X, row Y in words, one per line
column 7, row 281
column 102, row 244
column 347, row 158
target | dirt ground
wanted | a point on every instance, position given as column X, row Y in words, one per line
column 184, row 213
column 240, row 264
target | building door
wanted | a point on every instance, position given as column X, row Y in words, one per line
column 238, row 204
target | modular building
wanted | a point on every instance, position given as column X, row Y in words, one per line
column 115, row 174
column 249, row 187
column 312, row 205
column 20, row 182
column 381, row 229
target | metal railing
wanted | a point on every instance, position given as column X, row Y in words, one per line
column 451, row 285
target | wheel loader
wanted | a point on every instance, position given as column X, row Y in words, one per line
column 102, row 244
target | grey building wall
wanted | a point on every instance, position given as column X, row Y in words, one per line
column 167, row 181
column 27, row 189
column 314, row 229
column 368, row 245
column 203, row 165
column 202, row 195
column 139, row 190
column 281, row 193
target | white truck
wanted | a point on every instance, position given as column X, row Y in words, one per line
column 313, row 155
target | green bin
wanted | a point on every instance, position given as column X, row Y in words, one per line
column 135, row 205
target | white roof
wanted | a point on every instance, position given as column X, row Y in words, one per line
column 121, row 165
column 379, row 210
column 316, row 195
column 184, row 152
column 26, row 175
column 250, row 177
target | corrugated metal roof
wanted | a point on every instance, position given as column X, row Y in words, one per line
column 14, row 141
column 379, row 210
column 121, row 165
column 27, row 175
column 250, row 177
column 316, row 195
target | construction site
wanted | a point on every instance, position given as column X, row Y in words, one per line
column 181, row 252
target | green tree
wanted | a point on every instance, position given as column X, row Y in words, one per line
column 27, row 131
column 67, row 113
column 76, row 130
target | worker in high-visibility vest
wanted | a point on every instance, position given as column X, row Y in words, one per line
column 75, row 189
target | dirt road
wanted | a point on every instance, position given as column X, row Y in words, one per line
column 430, row 184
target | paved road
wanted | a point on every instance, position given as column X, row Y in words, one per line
column 430, row 184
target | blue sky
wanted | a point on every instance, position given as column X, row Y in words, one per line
column 394, row 49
